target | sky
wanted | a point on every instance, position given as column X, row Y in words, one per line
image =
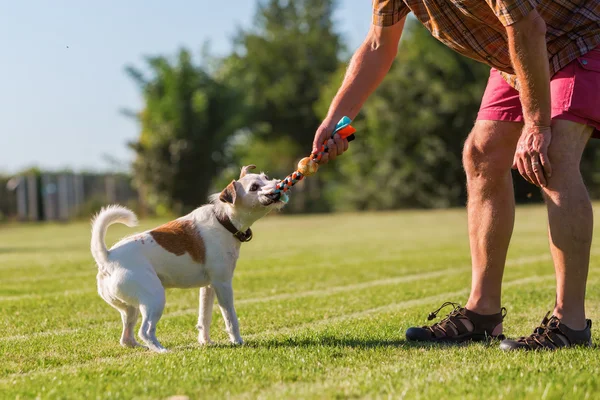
column 62, row 71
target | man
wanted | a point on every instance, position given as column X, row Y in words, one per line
column 540, row 107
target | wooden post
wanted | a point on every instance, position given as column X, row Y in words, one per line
column 32, row 198
column 49, row 196
column 110, row 187
column 78, row 188
column 22, row 198
column 63, row 198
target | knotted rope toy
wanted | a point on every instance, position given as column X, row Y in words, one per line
column 308, row 166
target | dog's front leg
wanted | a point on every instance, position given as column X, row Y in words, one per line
column 207, row 299
column 224, row 292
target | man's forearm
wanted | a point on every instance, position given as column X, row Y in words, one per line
column 527, row 45
column 367, row 68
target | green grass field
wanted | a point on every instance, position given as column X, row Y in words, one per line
column 323, row 303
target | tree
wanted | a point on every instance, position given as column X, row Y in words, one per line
column 282, row 62
column 411, row 130
column 185, row 124
column 280, row 65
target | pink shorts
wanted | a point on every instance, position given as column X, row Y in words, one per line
column 575, row 94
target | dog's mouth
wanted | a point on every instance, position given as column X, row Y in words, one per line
column 274, row 198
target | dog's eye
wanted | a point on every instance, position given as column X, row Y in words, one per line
column 254, row 187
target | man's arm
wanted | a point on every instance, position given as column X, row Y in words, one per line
column 528, row 53
column 368, row 66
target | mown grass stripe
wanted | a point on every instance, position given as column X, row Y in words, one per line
column 408, row 278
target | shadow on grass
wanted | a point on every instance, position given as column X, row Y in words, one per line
column 341, row 343
column 338, row 342
column 351, row 342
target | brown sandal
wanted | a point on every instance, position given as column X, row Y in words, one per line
column 551, row 335
column 454, row 327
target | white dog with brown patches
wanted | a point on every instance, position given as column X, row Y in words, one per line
column 199, row 249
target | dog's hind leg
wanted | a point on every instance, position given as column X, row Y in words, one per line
column 129, row 315
column 207, row 300
column 152, row 304
column 224, row 292
column 150, row 316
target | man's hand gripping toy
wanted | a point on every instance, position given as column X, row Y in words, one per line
column 308, row 166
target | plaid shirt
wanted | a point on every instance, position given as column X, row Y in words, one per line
column 476, row 28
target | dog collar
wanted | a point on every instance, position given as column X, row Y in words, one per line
column 241, row 236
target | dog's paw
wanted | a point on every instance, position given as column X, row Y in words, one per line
column 161, row 350
column 205, row 342
column 132, row 344
column 237, row 342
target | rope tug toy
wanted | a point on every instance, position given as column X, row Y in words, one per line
column 308, row 166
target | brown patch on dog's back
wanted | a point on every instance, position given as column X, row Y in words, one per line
column 180, row 237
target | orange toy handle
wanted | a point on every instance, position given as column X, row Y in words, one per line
column 344, row 129
column 347, row 132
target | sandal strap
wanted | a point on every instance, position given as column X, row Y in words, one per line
column 455, row 323
column 552, row 334
column 451, row 326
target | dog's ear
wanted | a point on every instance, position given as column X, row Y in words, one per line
column 228, row 194
column 246, row 169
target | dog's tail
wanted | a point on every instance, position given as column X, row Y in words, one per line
column 100, row 223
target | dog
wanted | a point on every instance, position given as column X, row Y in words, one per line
column 199, row 249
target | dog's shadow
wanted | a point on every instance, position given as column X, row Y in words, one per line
column 340, row 342
column 328, row 341
column 352, row 342
column 347, row 342
column 335, row 342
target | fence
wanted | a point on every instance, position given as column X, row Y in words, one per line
column 62, row 196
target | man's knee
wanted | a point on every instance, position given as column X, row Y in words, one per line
column 565, row 183
column 489, row 150
column 566, row 147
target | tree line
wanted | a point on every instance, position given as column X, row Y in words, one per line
column 261, row 104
